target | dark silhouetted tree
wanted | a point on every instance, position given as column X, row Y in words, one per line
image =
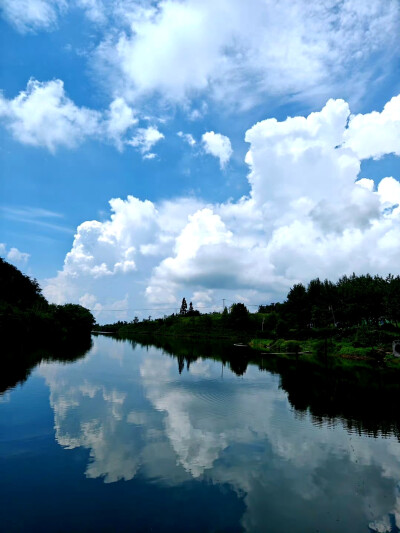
column 239, row 316
column 183, row 309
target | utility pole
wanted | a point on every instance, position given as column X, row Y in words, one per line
column 223, row 303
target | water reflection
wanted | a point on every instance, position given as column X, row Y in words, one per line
column 18, row 362
column 363, row 399
column 271, row 437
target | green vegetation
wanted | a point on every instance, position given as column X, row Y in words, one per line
column 27, row 319
column 237, row 324
column 353, row 321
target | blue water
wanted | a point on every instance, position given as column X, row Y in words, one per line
column 122, row 441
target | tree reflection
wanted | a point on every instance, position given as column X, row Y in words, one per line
column 17, row 364
column 363, row 399
column 141, row 420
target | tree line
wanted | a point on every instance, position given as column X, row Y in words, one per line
column 364, row 300
column 356, row 312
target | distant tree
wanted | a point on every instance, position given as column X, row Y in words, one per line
column 392, row 299
column 270, row 322
column 239, row 316
column 183, row 309
column 267, row 308
column 225, row 317
column 135, row 320
column 192, row 312
column 297, row 306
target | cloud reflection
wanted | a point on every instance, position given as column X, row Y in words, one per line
column 136, row 414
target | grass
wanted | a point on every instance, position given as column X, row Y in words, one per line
column 338, row 352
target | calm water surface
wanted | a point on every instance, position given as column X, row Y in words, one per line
column 130, row 439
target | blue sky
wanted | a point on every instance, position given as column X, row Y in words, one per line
column 161, row 102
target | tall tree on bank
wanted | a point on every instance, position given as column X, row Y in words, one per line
column 183, row 309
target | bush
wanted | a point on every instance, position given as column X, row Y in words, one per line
column 293, row 347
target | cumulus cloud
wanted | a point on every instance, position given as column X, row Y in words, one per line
column 294, row 47
column 13, row 255
column 307, row 214
column 120, row 118
column 217, row 145
column 32, row 15
column 145, row 139
column 43, row 115
column 138, row 234
column 375, row 134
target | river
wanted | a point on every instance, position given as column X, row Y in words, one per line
column 140, row 438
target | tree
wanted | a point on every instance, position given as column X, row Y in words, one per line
column 74, row 318
column 19, row 290
column 192, row 312
column 239, row 316
column 183, row 309
column 297, row 306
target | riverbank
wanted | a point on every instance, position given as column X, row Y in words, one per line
column 328, row 352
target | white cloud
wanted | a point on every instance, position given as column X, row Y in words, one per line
column 187, row 137
column 146, row 138
column 300, row 49
column 120, row 119
column 150, row 155
column 15, row 256
column 389, row 194
column 137, row 234
column 202, row 299
column 375, row 134
column 90, row 302
column 95, row 10
column 44, row 116
column 217, row 145
column 307, row 214
column 293, row 47
column 33, row 15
